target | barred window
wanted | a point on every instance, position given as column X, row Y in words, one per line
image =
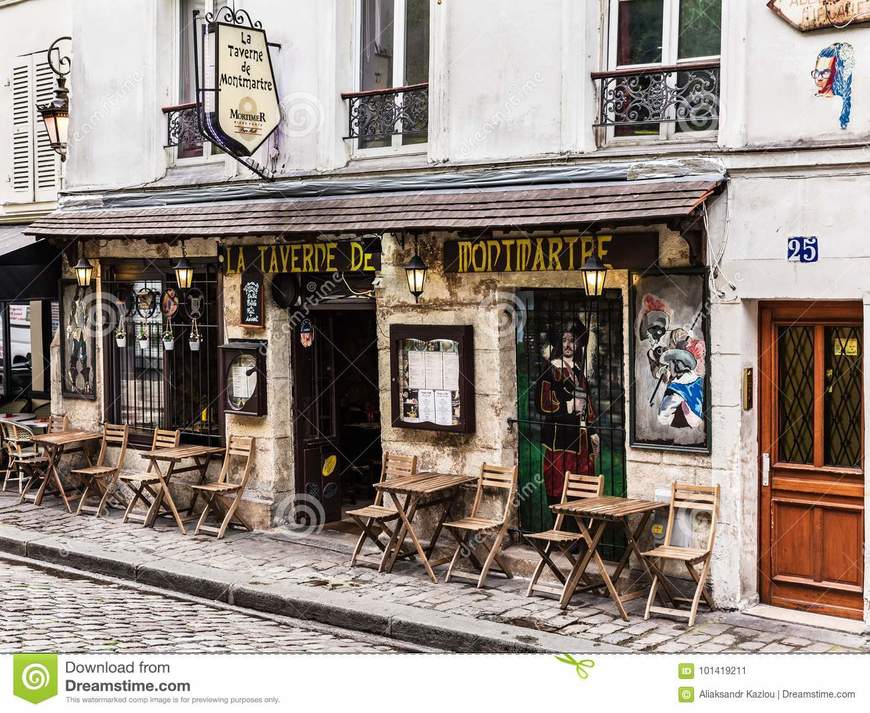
column 158, row 374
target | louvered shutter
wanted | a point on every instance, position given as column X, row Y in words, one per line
column 22, row 133
column 45, row 164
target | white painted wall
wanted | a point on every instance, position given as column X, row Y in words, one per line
column 26, row 27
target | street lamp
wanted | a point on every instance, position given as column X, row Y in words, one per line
column 83, row 269
column 55, row 115
column 594, row 274
column 415, row 272
column 183, row 271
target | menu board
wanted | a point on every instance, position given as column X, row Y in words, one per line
column 430, row 381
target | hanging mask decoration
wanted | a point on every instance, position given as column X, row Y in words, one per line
column 194, row 301
column 306, row 333
column 146, row 303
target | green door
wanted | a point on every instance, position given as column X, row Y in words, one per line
column 570, row 397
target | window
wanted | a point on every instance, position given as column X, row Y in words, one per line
column 148, row 385
column 34, row 163
column 182, row 128
column 26, row 329
column 392, row 107
column 664, row 59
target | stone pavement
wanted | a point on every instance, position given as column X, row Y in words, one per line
column 321, row 563
column 51, row 611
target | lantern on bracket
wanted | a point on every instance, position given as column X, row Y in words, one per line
column 183, row 271
column 55, row 115
column 83, row 269
column 415, row 272
column 594, row 274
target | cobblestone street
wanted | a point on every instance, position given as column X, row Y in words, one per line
column 322, row 564
column 67, row 614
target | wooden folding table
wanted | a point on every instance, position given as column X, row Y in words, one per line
column 55, row 445
column 604, row 511
column 200, row 455
column 421, row 490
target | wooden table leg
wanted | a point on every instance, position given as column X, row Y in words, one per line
column 415, row 539
column 397, row 538
column 579, row 569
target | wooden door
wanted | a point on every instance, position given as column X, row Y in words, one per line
column 812, row 457
column 314, row 415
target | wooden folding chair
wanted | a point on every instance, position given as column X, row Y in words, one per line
column 102, row 477
column 393, row 466
column 22, row 456
column 575, row 487
column 472, row 530
column 688, row 497
column 238, row 447
column 57, row 424
column 148, row 481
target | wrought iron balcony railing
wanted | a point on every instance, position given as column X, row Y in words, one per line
column 182, row 130
column 686, row 95
column 377, row 115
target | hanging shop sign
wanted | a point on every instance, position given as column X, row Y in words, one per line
column 338, row 256
column 247, row 106
column 253, row 312
column 634, row 251
column 809, row 15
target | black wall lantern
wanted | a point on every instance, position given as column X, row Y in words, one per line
column 183, row 271
column 83, row 269
column 415, row 272
column 594, row 274
column 55, row 115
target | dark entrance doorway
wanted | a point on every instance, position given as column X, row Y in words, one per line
column 570, row 397
column 336, row 411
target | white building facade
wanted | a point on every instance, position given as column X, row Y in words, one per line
column 744, row 184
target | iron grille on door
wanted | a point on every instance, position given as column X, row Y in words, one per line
column 570, row 396
column 152, row 387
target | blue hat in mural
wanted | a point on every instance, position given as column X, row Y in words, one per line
column 833, row 76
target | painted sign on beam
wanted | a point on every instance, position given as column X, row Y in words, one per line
column 809, row 15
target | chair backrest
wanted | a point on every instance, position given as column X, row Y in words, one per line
column 693, row 497
column 165, row 439
column 8, row 432
column 395, row 465
column 579, row 487
column 57, row 424
column 238, row 447
column 501, row 478
column 114, row 435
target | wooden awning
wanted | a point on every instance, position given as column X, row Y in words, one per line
column 600, row 204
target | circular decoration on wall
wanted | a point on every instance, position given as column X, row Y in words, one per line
column 285, row 290
column 169, row 302
column 330, row 491
column 194, row 302
column 146, row 303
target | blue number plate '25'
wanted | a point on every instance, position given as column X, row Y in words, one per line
column 803, row 249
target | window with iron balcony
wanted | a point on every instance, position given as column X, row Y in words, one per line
column 390, row 109
column 663, row 76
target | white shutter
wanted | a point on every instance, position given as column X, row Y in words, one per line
column 45, row 163
column 22, row 132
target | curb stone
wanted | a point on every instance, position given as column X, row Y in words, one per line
column 401, row 622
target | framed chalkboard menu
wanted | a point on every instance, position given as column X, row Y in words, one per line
column 432, row 375
column 252, row 299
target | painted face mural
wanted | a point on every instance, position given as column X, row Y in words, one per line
column 835, row 65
